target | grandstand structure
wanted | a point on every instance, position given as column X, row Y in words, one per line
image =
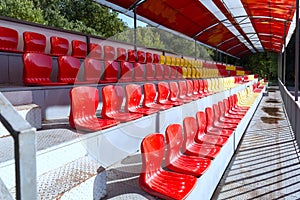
column 74, row 105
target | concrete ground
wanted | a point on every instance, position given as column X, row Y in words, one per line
column 266, row 165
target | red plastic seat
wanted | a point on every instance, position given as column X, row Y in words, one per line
column 179, row 73
column 92, row 70
column 178, row 162
column 126, row 71
column 139, row 72
column 219, row 122
column 205, row 88
column 174, row 91
column 133, row 99
column 202, row 137
column 196, row 89
column 34, row 42
column 159, row 72
column 231, row 114
column 157, row 181
column 201, row 89
column 37, row 70
column 111, row 67
column 174, row 72
column 79, row 49
column 121, row 54
column 68, row 69
column 211, row 129
column 59, row 46
column 163, row 94
column 95, row 51
column 112, row 103
column 190, row 147
column 167, row 72
column 149, row 98
column 224, row 116
column 190, row 90
column 9, row 39
column 84, row 103
column 232, row 110
column 150, row 72
column 156, row 58
column 183, row 91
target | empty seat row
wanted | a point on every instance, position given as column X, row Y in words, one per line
column 36, row 42
column 189, row 149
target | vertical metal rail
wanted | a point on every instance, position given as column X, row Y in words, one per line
column 297, row 52
column 195, row 50
column 25, row 150
column 135, row 29
column 284, row 55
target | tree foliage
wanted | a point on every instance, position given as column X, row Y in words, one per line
column 22, row 9
column 264, row 64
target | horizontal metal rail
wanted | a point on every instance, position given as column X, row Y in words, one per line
column 24, row 149
column 292, row 109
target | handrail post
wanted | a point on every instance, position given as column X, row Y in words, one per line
column 297, row 52
column 24, row 149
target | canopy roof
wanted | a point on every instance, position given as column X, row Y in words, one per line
column 236, row 27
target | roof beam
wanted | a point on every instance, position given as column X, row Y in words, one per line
column 226, row 12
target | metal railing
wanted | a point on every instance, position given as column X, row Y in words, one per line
column 24, row 150
column 292, row 108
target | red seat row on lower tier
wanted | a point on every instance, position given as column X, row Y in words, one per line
column 169, row 95
column 189, row 152
column 38, row 68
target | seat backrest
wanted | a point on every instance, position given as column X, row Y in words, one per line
column 182, row 89
column 126, row 71
column 174, row 71
column 205, row 85
column 216, row 111
column 68, row 68
column 95, row 51
column 121, row 54
column 174, row 142
column 139, row 71
column 149, row 93
column 133, row 96
column 209, row 117
column 167, row 71
column 226, row 105
column 37, row 68
column 159, row 72
column 112, row 100
column 149, row 58
column 163, row 91
column 109, row 52
column 152, row 151
column 201, row 123
column 9, row 39
column 190, row 87
column 141, row 56
column 155, row 58
column 150, row 71
column 34, row 42
column 190, row 130
column 92, row 69
column 195, row 86
column 84, row 103
column 79, row 49
column 201, row 86
column 174, row 90
column 59, row 46
column 131, row 55
column 221, row 108
column 111, row 69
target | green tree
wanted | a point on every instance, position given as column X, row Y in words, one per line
column 22, row 9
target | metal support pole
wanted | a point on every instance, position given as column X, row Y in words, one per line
column 216, row 57
column 195, row 50
column 135, row 29
column 284, row 55
column 297, row 52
